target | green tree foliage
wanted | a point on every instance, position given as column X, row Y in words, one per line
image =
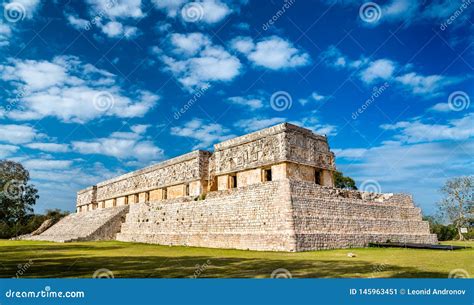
column 457, row 205
column 17, row 196
column 443, row 232
column 343, row 182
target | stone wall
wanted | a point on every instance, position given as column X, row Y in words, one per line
column 256, row 217
column 328, row 218
column 280, row 215
column 188, row 168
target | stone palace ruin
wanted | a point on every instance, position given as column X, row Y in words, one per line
column 269, row 190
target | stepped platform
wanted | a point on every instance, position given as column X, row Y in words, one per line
column 278, row 216
column 94, row 225
column 281, row 215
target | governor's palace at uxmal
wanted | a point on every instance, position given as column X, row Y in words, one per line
column 272, row 189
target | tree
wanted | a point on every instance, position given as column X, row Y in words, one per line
column 443, row 232
column 17, row 196
column 457, row 205
column 340, row 181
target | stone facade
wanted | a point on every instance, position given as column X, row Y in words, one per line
column 169, row 178
column 281, row 215
column 269, row 190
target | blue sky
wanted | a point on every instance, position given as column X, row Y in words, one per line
column 93, row 89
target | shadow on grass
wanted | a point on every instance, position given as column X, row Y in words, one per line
column 76, row 260
column 5, row 250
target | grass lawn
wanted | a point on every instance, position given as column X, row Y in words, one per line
column 133, row 260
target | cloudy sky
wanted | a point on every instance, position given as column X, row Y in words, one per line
column 92, row 89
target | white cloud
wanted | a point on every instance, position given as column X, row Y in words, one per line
column 441, row 107
column 195, row 61
column 30, row 6
column 378, row 69
column 333, row 57
column 309, row 121
column 189, row 44
column 350, row 153
column 312, row 122
column 5, row 33
column 251, row 102
column 243, row 44
column 66, row 176
column 7, row 150
column 369, row 71
column 425, row 85
column 417, row 131
column 49, row 147
column 170, row 7
column 45, row 164
column 397, row 10
column 271, row 52
column 214, row 11
column 122, row 145
column 36, row 75
column 78, row 23
column 162, row 27
column 70, row 90
column 315, row 96
column 202, row 11
column 253, row 124
column 203, row 132
column 17, row 10
column 114, row 29
column 415, row 11
column 117, row 8
column 115, row 18
column 17, row 134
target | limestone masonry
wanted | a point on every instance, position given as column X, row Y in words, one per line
column 269, row 190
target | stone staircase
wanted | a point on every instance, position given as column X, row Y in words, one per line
column 101, row 224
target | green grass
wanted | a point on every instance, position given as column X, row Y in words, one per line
column 133, row 260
